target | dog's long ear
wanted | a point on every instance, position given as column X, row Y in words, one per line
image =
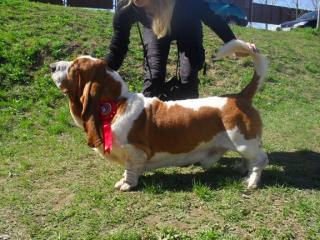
column 90, row 113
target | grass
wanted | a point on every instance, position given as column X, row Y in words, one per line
column 54, row 187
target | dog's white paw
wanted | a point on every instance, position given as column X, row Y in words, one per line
column 128, row 182
column 252, row 181
column 119, row 183
column 125, row 187
column 252, row 185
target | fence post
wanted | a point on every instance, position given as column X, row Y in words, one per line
column 318, row 17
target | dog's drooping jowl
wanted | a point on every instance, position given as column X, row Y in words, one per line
column 143, row 133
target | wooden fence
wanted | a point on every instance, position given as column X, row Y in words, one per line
column 256, row 12
column 272, row 14
column 266, row 13
column 106, row 4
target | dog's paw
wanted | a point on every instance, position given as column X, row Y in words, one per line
column 252, row 186
column 252, row 182
column 119, row 183
column 125, row 187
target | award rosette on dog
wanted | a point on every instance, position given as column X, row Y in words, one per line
column 107, row 111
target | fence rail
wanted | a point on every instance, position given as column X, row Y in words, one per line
column 263, row 13
column 272, row 14
column 256, row 12
column 107, row 4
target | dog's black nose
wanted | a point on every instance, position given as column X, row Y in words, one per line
column 53, row 67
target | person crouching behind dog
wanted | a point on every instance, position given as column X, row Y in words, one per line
column 163, row 22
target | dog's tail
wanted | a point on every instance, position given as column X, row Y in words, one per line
column 260, row 65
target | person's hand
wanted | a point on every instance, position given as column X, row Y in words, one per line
column 252, row 47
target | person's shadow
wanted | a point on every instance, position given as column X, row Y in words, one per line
column 299, row 169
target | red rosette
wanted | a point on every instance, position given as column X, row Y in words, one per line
column 107, row 111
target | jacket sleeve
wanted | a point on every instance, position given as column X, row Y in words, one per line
column 122, row 23
column 215, row 22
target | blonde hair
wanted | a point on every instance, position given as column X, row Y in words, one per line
column 162, row 11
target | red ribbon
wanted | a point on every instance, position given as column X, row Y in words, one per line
column 107, row 111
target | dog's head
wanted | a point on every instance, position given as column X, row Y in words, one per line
column 86, row 81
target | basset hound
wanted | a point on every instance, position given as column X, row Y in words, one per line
column 143, row 133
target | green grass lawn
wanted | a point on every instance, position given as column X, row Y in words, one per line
column 52, row 186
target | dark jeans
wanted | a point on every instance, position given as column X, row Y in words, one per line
column 186, row 86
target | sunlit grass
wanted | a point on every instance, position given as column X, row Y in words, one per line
column 52, row 186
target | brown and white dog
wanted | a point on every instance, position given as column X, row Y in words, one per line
column 148, row 133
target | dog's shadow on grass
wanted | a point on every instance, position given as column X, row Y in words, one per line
column 299, row 170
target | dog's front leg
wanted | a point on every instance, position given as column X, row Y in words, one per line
column 134, row 167
column 128, row 182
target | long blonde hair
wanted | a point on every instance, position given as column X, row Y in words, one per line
column 162, row 11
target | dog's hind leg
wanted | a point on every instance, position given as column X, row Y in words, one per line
column 259, row 162
column 255, row 161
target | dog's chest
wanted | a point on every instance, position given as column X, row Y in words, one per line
column 118, row 154
column 124, row 121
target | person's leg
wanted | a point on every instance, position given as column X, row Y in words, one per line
column 191, row 58
column 189, row 78
column 155, row 67
column 184, row 86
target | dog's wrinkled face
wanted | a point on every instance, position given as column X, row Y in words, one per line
column 71, row 77
column 59, row 72
column 85, row 81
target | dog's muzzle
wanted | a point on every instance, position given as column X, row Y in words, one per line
column 59, row 72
